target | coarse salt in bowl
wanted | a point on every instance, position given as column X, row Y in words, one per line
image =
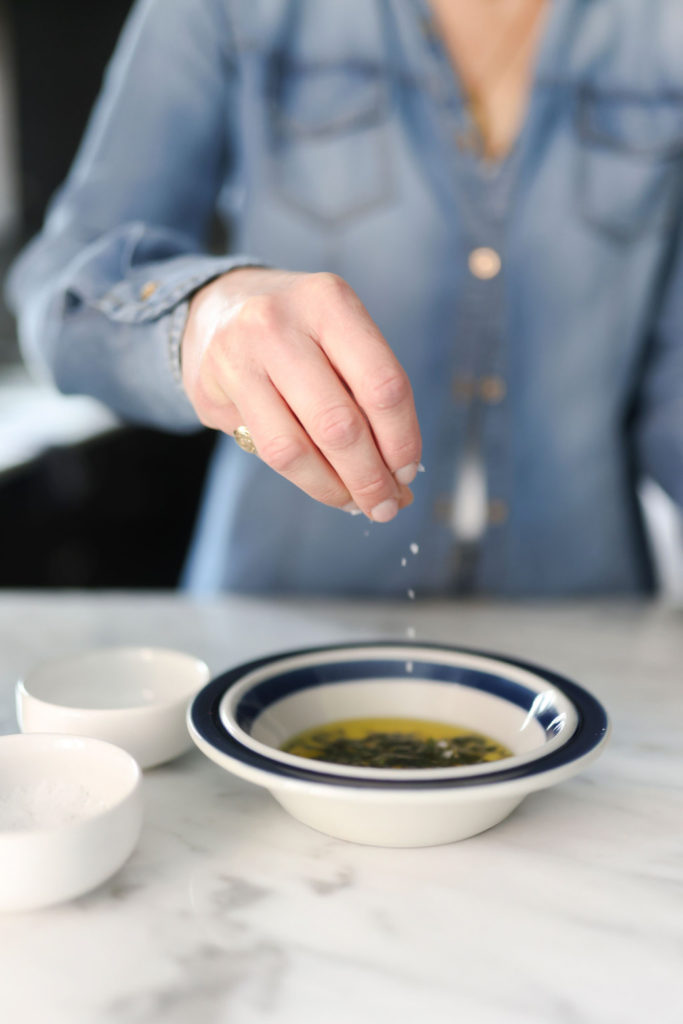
column 70, row 816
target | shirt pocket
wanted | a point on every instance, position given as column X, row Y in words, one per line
column 329, row 139
column 630, row 169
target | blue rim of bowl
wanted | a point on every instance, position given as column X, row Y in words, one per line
column 269, row 690
column 204, row 716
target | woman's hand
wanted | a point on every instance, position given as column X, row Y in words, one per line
column 297, row 360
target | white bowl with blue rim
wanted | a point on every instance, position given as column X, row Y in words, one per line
column 552, row 726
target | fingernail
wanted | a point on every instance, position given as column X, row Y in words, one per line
column 406, row 474
column 385, row 511
column 352, row 509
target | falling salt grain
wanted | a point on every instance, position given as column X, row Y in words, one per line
column 414, row 548
column 410, row 632
column 409, row 666
column 411, row 594
column 404, row 562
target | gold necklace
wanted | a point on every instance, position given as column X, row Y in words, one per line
column 503, row 57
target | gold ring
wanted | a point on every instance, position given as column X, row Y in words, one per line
column 245, row 440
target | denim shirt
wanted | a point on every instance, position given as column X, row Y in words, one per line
column 329, row 135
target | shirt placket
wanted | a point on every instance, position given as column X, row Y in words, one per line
column 478, row 508
column 481, row 500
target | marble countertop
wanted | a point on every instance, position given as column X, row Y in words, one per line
column 231, row 911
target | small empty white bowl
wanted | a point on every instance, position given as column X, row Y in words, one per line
column 134, row 697
column 70, row 816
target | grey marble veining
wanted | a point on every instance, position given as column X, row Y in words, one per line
column 230, row 911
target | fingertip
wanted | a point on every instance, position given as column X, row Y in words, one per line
column 407, row 474
column 385, row 511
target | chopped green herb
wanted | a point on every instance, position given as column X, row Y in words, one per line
column 363, row 743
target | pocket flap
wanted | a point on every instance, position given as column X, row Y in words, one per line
column 318, row 100
column 640, row 124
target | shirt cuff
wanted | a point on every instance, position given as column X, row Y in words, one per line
column 155, row 289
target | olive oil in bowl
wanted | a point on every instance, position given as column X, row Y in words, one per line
column 406, row 743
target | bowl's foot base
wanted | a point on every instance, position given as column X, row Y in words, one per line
column 396, row 826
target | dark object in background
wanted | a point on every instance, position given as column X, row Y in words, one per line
column 117, row 511
column 60, row 50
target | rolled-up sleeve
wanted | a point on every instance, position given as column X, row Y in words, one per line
column 659, row 421
column 101, row 295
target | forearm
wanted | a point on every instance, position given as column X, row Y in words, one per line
column 107, row 320
column 101, row 294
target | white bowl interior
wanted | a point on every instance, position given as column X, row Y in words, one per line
column 50, row 782
column 403, row 695
column 117, row 678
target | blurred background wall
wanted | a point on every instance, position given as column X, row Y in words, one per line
column 83, row 500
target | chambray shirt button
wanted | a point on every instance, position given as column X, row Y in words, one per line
column 484, row 263
column 148, row 289
column 492, row 390
column 497, row 512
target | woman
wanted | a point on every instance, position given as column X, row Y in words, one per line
column 477, row 209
